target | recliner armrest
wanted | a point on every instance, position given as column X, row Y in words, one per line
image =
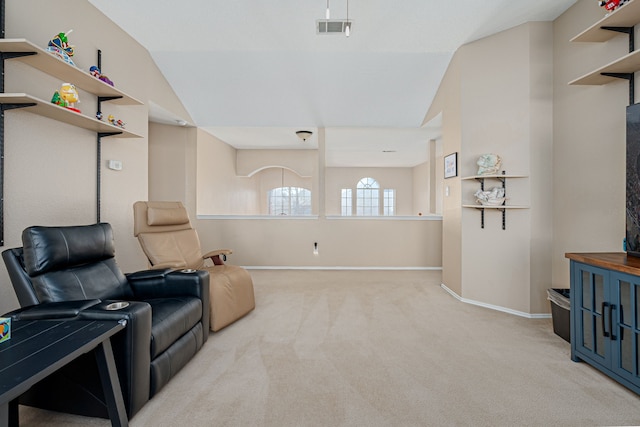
column 53, row 310
column 170, row 283
column 131, row 348
column 175, row 283
column 148, row 274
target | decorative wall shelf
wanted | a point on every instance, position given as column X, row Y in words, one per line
column 623, row 17
column 34, row 56
column 496, row 207
column 620, row 21
column 44, row 61
column 61, row 114
column 502, row 208
column 613, row 71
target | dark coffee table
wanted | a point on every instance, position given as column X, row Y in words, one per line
column 38, row 348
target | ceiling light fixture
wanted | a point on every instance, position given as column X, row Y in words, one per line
column 328, row 14
column 347, row 28
column 304, row 134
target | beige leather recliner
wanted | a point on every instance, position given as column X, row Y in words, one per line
column 169, row 241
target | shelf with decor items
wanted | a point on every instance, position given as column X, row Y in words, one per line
column 605, row 29
column 24, row 51
column 620, row 21
column 502, row 178
column 61, row 114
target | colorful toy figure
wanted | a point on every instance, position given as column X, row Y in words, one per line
column 95, row 72
column 113, row 121
column 69, row 95
column 59, row 46
column 611, row 5
column 55, row 99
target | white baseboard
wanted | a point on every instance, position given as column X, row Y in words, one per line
column 496, row 307
column 315, row 267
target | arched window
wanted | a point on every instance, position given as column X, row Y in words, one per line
column 289, row 201
column 369, row 199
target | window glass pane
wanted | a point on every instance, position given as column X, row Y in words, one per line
column 389, row 202
column 347, row 202
column 586, row 301
column 289, row 201
column 368, row 197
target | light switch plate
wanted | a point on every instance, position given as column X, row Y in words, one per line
column 115, row 165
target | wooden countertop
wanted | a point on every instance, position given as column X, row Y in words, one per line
column 618, row 261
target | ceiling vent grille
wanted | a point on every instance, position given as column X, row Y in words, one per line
column 332, row 26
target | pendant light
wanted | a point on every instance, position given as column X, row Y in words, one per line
column 328, row 13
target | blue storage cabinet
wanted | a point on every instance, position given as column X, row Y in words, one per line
column 605, row 314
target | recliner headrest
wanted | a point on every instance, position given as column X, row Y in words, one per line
column 167, row 216
column 54, row 248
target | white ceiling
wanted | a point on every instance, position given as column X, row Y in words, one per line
column 253, row 72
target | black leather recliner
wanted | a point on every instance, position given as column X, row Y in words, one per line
column 167, row 316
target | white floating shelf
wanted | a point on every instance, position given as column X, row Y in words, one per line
column 626, row 65
column 496, row 176
column 54, row 66
column 625, row 16
column 55, row 112
column 496, row 207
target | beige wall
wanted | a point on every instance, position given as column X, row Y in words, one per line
column 589, row 144
column 50, row 167
column 448, row 103
column 496, row 97
column 421, row 185
column 280, row 242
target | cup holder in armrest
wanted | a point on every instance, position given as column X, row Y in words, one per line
column 117, row 305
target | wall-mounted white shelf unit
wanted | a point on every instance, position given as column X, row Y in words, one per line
column 61, row 114
column 620, row 21
column 44, row 61
column 623, row 17
column 502, row 208
column 38, row 58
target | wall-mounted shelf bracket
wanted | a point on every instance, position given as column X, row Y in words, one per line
column 504, row 218
column 626, row 76
column 625, row 30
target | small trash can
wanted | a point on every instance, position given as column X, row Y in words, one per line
column 560, row 312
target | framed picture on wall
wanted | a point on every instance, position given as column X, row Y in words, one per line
column 451, row 165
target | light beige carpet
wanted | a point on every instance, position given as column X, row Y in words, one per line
column 391, row 348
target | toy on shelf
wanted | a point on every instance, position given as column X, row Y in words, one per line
column 99, row 115
column 611, row 5
column 113, row 121
column 66, row 97
column 59, row 46
column 95, row 72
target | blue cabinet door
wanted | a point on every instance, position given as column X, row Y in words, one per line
column 590, row 306
column 625, row 295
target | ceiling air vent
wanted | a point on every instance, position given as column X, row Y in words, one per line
column 332, row 26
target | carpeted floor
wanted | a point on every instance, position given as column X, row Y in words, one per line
column 383, row 348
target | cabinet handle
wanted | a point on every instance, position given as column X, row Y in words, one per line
column 621, row 320
column 604, row 326
column 613, row 307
